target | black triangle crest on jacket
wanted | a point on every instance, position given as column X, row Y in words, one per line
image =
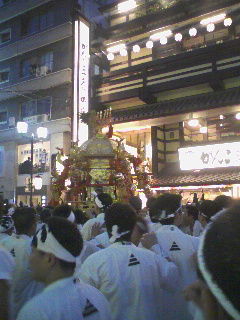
column 174, row 247
column 133, row 261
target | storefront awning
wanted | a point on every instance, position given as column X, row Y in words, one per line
column 216, row 176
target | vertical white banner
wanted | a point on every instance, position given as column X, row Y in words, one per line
column 2, row 157
column 81, row 80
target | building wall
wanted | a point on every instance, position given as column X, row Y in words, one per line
column 33, row 87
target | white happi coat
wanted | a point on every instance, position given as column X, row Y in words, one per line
column 86, row 230
column 131, row 279
column 6, row 271
column 67, row 299
column 24, row 288
column 179, row 247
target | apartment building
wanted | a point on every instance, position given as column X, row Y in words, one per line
column 36, row 70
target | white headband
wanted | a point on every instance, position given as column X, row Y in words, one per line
column 215, row 289
column 163, row 214
column 6, row 224
column 98, row 203
column 50, row 244
column 115, row 234
column 71, row 217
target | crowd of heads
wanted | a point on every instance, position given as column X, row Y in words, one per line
column 218, row 255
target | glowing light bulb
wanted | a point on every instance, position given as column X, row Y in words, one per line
column 210, row 27
column 178, row 37
column 123, row 52
column 136, row 48
column 227, row 22
column 203, row 129
column 163, row 40
column 193, row 32
column 110, row 56
column 149, row 44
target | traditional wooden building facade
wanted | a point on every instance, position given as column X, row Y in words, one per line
column 172, row 62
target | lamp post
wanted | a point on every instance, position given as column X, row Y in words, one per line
column 22, row 127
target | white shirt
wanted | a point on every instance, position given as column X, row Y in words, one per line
column 197, row 228
column 67, row 299
column 101, row 240
column 6, row 270
column 86, row 230
column 24, row 288
column 3, row 236
column 179, row 247
column 88, row 249
column 131, row 279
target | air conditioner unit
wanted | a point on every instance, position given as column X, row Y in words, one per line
column 41, row 71
column 12, row 122
column 42, row 118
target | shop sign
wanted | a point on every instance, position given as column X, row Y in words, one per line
column 210, row 156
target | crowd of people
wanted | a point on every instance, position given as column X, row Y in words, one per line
column 122, row 261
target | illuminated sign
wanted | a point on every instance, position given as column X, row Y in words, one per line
column 81, row 79
column 210, row 156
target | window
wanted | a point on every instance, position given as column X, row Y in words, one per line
column 3, row 116
column 37, row 23
column 44, row 105
column 46, row 20
column 5, row 36
column 36, row 107
column 28, row 67
column 28, row 109
column 37, row 66
column 4, row 76
column 46, row 60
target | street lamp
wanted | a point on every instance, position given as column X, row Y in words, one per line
column 22, row 127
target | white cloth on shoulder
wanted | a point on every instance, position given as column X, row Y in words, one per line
column 67, row 299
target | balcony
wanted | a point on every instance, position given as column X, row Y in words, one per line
column 40, row 83
column 16, row 8
column 36, row 41
column 211, row 65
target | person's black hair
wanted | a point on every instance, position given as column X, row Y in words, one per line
column 150, row 202
column 62, row 210
column 105, row 199
column 193, row 211
column 80, row 217
column 221, row 253
column 209, row 208
column 99, row 190
column 45, row 214
column 136, row 203
column 24, row 218
column 68, row 235
column 169, row 203
column 224, row 201
column 122, row 215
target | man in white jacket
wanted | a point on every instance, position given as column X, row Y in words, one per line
column 53, row 260
column 180, row 248
column 102, row 202
column 132, row 279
